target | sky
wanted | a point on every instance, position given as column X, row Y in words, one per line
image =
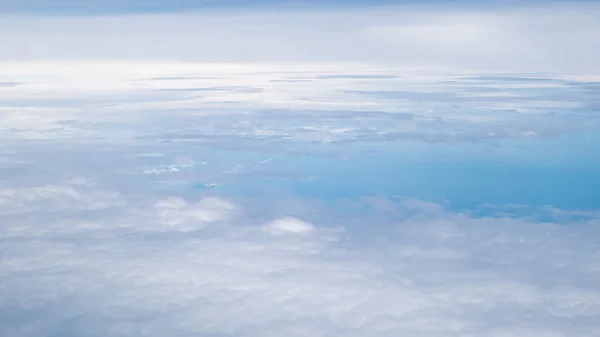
column 260, row 168
column 94, row 7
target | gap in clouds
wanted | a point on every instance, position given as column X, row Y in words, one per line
column 245, row 135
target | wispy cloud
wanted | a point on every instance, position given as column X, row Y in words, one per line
column 333, row 103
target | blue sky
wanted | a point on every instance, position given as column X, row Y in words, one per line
column 299, row 169
column 87, row 7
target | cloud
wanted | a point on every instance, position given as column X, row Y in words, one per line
column 103, row 101
column 257, row 173
column 112, row 253
column 288, row 225
column 56, row 197
column 497, row 38
column 433, row 273
column 177, row 213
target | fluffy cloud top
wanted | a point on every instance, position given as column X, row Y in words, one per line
column 288, row 225
column 180, row 215
column 434, row 273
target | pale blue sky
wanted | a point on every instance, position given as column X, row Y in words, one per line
column 110, row 7
column 92, row 6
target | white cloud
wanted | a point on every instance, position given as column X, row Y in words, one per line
column 288, row 225
column 183, row 225
column 178, row 214
column 435, row 273
column 56, row 197
column 103, row 101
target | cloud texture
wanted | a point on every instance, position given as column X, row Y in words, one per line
column 240, row 173
column 207, row 268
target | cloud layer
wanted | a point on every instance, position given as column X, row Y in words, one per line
column 241, row 173
column 212, row 269
column 121, row 215
column 118, row 102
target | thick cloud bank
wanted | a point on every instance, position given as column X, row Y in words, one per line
column 82, row 261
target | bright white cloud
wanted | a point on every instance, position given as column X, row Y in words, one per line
column 178, row 214
column 288, row 225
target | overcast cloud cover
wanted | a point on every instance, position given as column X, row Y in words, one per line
column 251, row 169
